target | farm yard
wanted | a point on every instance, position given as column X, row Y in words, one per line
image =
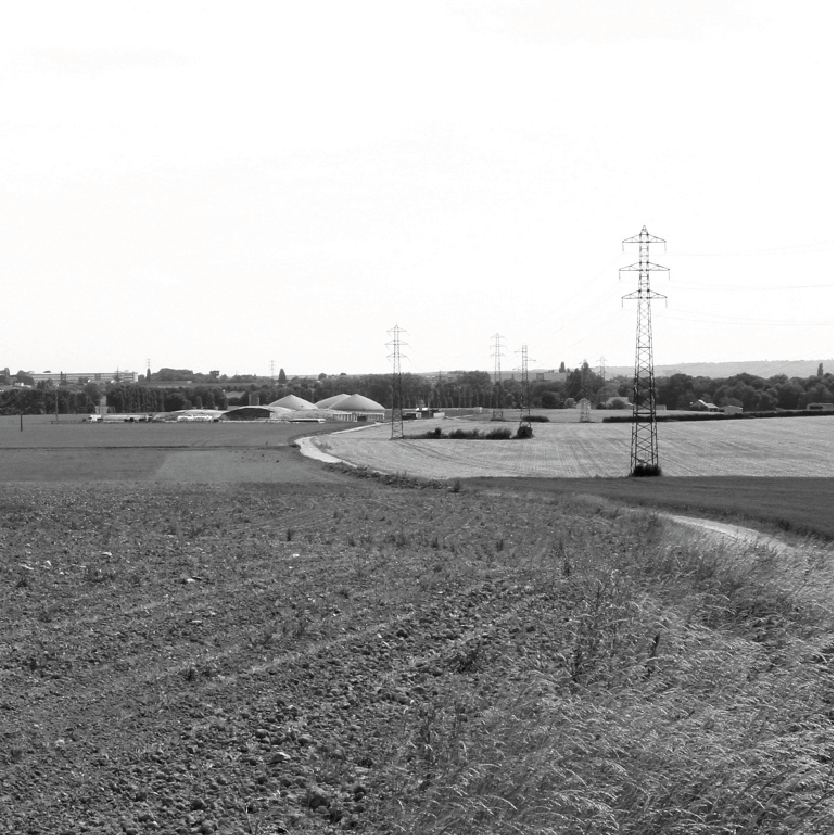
column 768, row 447
column 254, row 642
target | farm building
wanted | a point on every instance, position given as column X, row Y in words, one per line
column 293, row 403
column 330, row 402
column 276, row 413
column 821, row 407
column 189, row 415
column 357, row 408
column 703, row 406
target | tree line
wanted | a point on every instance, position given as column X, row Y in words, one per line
column 470, row 390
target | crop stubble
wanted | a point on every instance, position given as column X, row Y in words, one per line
column 767, row 447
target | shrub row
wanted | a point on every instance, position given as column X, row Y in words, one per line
column 502, row 433
column 718, row 416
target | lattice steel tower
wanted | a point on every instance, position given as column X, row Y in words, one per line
column 397, row 404
column 497, row 390
column 644, row 455
column 525, row 384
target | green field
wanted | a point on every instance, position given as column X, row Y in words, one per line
column 802, row 506
column 201, row 453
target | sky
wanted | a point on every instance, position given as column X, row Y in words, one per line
column 226, row 186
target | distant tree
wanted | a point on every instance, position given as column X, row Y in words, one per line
column 789, row 394
column 767, row 403
column 172, row 375
column 23, row 377
column 820, row 371
column 561, row 368
column 550, row 400
column 575, row 384
column 282, row 377
column 173, row 402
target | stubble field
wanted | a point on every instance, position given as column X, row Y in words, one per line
column 329, row 653
column 767, row 447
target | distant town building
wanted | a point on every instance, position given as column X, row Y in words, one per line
column 75, row 378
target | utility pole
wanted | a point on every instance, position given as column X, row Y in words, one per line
column 397, row 430
column 497, row 397
column 644, row 453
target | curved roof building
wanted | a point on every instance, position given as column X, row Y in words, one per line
column 358, row 403
column 257, row 413
column 330, row 402
column 293, row 403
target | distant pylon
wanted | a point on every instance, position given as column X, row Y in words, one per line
column 603, row 393
column 498, row 392
column 526, row 400
column 644, row 453
column 397, row 405
column 272, row 370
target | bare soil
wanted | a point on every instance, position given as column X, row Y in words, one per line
column 235, row 658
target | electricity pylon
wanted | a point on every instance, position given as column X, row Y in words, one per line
column 497, row 397
column 525, row 384
column 644, row 453
column 525, row 425
column 397, row 405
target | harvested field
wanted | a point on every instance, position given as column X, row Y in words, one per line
column 768, row 447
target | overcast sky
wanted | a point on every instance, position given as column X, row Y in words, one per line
column 218, row 185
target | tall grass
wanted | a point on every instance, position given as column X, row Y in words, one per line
column 689, row 689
